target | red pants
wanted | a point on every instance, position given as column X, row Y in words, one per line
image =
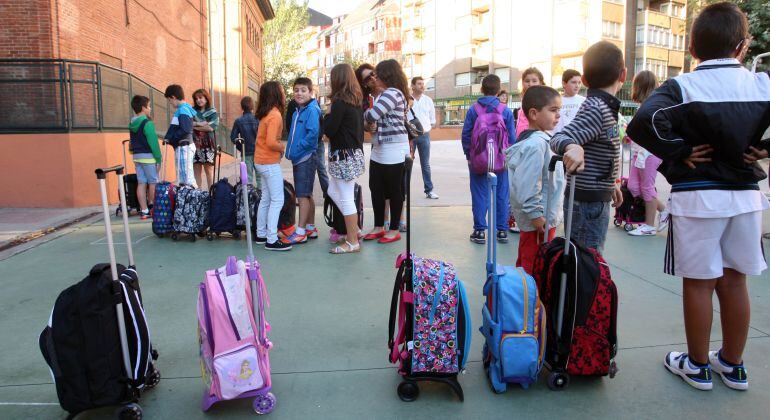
column 529, row 242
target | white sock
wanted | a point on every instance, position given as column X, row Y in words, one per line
column 300, row 231
column 309, row 226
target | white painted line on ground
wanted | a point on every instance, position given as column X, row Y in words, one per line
column 103, row 240
column 26, row 403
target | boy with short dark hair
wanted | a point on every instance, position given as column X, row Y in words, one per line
column 146, row 152
column 179, row 135
column 591, row 145
column 535, row 203
column 301, row 147
column 570, row 101
column 489, row 103
column 246, row 127
column 714, row 238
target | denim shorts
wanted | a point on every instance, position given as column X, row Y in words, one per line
column 304, row 177
column 146, row 173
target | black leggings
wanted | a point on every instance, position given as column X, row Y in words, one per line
column 386, row 182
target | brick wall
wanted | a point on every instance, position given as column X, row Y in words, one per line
column 25, row 28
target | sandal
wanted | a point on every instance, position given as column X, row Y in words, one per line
column 342, row 250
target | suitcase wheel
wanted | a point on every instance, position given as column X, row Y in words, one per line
column 558, row 381
column 617, row 222
column 264, row 404
column 236, row 234
column 118, row 211
column 408, row 391
column 629, row 227
column 152, row 380
column 174, row 236
column 130, row 412
column 613, row 369
column 210, row 236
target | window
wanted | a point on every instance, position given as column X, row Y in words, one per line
column 611, row 29
column 672, row 9
column 430, row 84
column 658, row 36
column 380, row 47
column 504, row 74
column 464, row 79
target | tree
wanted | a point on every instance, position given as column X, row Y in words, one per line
column 283, row 40
column 758, row 12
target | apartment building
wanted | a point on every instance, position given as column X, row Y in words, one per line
column 659, row 31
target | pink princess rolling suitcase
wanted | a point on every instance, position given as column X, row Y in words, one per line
column 232, row 331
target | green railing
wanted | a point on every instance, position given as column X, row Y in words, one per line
column 56, row 95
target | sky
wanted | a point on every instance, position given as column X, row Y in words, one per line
column 333, row 8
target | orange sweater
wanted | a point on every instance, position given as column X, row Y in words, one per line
column 269, row 146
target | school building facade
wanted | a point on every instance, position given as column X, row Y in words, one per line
column 69, row 68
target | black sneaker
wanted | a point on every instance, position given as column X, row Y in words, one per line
column 698, row 377
column 479, row 237
column 502, row 236
column 259, row 240
column 277, row 246
column 734, row 376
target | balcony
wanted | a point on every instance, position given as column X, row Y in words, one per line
column 413, row 3
column 480, row 33
column 480, row 6
column 479, row 62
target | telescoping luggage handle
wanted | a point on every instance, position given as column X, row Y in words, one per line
column 404, row 271
column 259, row 296
column 101, row 175
column 567, row 243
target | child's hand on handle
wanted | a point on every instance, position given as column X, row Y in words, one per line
column 573, row 158
column 539, row 224
column 699, row 155
column 617, row 196
column 755, row 155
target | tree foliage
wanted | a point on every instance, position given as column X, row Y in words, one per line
column 283, row 40
column 758, row 12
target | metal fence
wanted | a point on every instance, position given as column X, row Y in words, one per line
column 71, row 95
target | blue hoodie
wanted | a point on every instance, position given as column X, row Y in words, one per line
column 490, row 102
column 303, row 132
column 181, row 127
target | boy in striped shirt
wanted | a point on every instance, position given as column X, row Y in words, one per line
column 591, row 146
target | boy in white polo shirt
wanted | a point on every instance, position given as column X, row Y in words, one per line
column 570, row 101
column 706, row 126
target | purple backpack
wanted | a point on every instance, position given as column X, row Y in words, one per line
column 489, row 140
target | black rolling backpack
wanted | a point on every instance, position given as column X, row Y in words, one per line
column 97, row 341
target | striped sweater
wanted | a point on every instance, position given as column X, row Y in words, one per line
column 595, row 128
column 389, row 112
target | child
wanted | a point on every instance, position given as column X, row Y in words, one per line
column 179, row 136
column 594, row 132
column 490, row 86
column 267, row 158
column 527, row 160
column 644, row 167
column 144, row 147
column 300, row 149
column 205, row 125
column 246, row 127
column 716, row 207
column 571, row 101
column 531, row 77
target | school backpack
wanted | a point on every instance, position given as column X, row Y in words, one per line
column 334, row 217
column 288, row 215
column 254, row 197
column 489, row 140
column 222, row 210
column 191, row 214
column 163, row 208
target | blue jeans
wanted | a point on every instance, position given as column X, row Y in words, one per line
column 422, row 144
column 480, row 201
column 304, row 177
column 320, row 165
column 589, row 222
column 271, row 203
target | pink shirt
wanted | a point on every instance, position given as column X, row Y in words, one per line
column 522, row 123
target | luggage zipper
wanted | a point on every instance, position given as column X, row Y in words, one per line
column 526, row 299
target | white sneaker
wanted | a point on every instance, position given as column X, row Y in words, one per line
column 734, row 376
column 663, row 221
column 698, row 377
column 431, row 195
column 643, row 230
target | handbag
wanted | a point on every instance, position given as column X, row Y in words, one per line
column 414, row 127
column 346, row 164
